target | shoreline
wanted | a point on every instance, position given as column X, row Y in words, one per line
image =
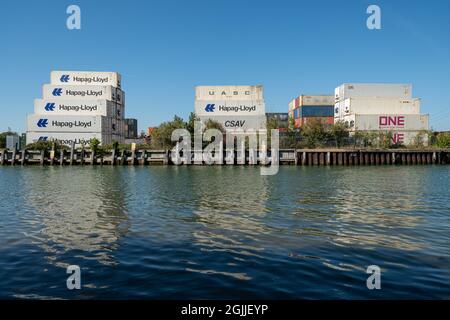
column 298, row 157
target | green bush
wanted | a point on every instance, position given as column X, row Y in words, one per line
column 443, row 140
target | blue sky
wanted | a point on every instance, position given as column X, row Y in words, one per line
column 165, row 48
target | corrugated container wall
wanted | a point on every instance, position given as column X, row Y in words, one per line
column 104, row 108
column 229, row 107
column 381, row 106
column 316, row 111
column 97, row 124
column 82, row 92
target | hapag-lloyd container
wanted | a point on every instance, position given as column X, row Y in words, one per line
column 67, row 138
column 229, row 107
column 219, row 93
column 239, row 122
column 43, row 123
column 362, row 105
column 382, row 90
column 382, row 122
column 85, row 78
column 104, row 108
column 82, row 92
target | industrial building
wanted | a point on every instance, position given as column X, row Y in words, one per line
column 306, row 108
column 78, row 106
column 381, row 108
column 234, row 107
column 131, row 128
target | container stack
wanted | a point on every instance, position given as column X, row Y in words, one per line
column 78, row 106
column 381, row 107
column 305, row 108
column 235, row 107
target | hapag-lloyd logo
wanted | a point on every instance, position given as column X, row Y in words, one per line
column 90, row 80
column 84, row 93
column 235, row 108
column 72, row 124
column 78, row 108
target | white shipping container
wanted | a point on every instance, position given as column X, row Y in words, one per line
column 338, row 110
column 291, row 105
column 218, row 93
column 104, row 108
column 239, row 122
column 316, row 100
column 67, row 138
column 229, row 107
column 85, row 78
column 43, row 123
column 382, row 90
column 381, row 106
column 65, row 92
column 383, row 122
column 408, row 137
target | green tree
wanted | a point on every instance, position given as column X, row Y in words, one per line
column 443, row 140
column 315, row 133
column 339, row 131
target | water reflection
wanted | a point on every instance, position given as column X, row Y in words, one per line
column 76, row 209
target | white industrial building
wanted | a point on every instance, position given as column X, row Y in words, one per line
column 234, row 107
column 78, row 106
column 381, row 107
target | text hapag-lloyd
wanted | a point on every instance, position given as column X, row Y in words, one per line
column 83, row 107
column 237, row 108
column 90, row 79
column 71, row 124
column 84, row 93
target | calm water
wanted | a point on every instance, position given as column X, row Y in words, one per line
column 225, row 232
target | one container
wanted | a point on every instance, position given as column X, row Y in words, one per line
column 229, row 107
column 104, row 108
column 381, row 90
column 65, row 92
column 42, row 123
column 383, row 122
column 85, row 78
column 362, row 105
column 219, row 93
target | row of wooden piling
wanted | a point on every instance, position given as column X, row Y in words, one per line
column 309, row 157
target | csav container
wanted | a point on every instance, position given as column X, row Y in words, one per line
column 381, row 90
column 78, row 78
column 220, row 93
column 238, row 122
column 65, row 92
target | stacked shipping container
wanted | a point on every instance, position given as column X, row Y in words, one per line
column 235, row 107
column 305, row 108
column 380, row 107
column 78, row 106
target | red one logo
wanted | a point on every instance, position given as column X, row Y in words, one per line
column 395, row 121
